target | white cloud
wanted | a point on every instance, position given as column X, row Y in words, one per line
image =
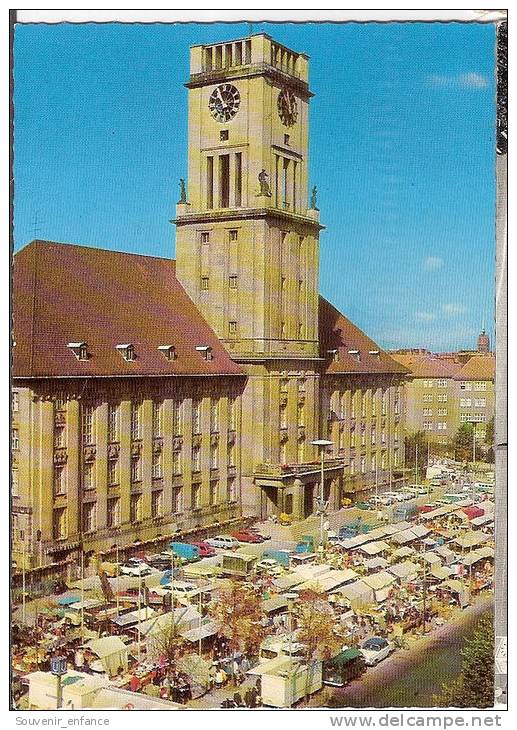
column 468, row 80
column 431, row 263
column 425, row 316
column 454, row 308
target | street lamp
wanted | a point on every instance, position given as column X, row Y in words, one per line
column 58, row 669
column 322, row 444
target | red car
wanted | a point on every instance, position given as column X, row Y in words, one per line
column 205, row 550
column 426, row 508
column 243, row 536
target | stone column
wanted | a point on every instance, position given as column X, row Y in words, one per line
column 125, row 460
column 298, row 500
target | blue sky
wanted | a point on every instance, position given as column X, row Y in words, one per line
column 402, row 152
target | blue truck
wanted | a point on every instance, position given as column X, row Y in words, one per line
column 281, row 556
column 184, row 550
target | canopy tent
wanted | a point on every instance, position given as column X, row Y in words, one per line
column 397, row 527
column 439, row 512
column 378, row 533
column 471, row 558
column 470, row 539
column 68, row 600
column 431, row 557
column 420, row 530
column 380, row 583
column 126, row 620
column 481, row 520
column 404, row 552
column 473, row 512
column 406, row 571
column 185, row 617
column 401, row 538
column 358, row 593
column 328, row 581
column 374, row 548
column 486, row 552
column 374, row 563
column 285, row 582
column 208, row 628
column 351, row 543
column 274, row 604
column 447, row 555
column 487, row 506
column 86, row 605
column 441, row 572
column 313, row 570
column 112, row 652
column 458, row 587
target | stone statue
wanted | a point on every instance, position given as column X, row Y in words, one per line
column 264, row 184
column 314, row 193
column 183, row 192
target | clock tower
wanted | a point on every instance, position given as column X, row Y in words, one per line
column 247, row 235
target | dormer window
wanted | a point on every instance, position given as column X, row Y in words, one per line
column 168, row 351
column 80, row 350
column 206, row 351
column 127, row 352
column 334, row 354
column 355, row 354
column 375, row 353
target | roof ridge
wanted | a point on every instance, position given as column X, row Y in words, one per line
column 37, row 242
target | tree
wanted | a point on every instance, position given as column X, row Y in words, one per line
column 315, row 630
column 474, row 687
column 238, row 612
column 411, row 442
column 490, row 440
column 463, row 442
column 165, row 639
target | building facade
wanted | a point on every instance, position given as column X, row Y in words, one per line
column 197, row 400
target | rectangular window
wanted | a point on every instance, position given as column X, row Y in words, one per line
column 112, row 472
column 238, row 179
column 480, row 402
column 232, row 328
column 205, row 237
column 427, row 412
column 396, row 434
column 157, row 503
column 479, row 385
column 177, row 499
column 112, row 422
column 218, row 56
column 59, row 524
column 442, row 411
column 352, row 406
column 196, row 458
column 157, row 419
column 88, row 476
column 363, row 405
column 384, row 404
column 176, row 418
column 428, row 425
column 441, row 383
column 204, row 283
column 232, row 281
column 301, row 385
column 374, row 462
column 157, row 471
column 428, row 398
column 283, row 416
column 15, row 485
column 301, row 414
column 363, row 435
column 15, row 401
column 283, row 452
column 135, row 508
column 136, row 469
column 59, row 480
column 442, row 398
column 233, row 235
column 231, row 455
column 465, row 385
column 238, row 54
column 465, row 402
column 285, row 183
column 89, row 516
column 352, row 466
column 284, row 382
column 87, row 424
column 373, row 435
column 247, row 52
column 300, row 451
column 232, row 490
column 214, row 493
column 136, row 421
column 196, row 496
column 196, row 416
column 209, row 183
column 352, row 437
column 113, row 512
column 176, row 463
column 214, row 415
column 214, row 456
column 224, row 181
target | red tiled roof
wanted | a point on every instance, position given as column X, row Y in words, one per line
column 336, row 332
column 65, row 293
column 478, row 367
column 427, row 366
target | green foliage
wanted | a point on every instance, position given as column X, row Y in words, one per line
column 463, row 442
column 411, row 442
column 474, row 687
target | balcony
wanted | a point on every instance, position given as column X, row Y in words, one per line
column 286, row 470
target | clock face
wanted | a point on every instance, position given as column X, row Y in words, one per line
column 224, row 102
column 287, row 107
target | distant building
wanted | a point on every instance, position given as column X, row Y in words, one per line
column 483, row 342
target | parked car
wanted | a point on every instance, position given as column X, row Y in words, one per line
column 227, row 542
column 183, row 589
column 279, row 556
column 135, row 567
column 256, row 531
column 270, row 566
column 243, row 536
column 160, row 561
column 362, row 505
column 375, row 649
column 205, row 550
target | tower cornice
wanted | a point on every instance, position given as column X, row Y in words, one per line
column 215, row 76
column 228, row 214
